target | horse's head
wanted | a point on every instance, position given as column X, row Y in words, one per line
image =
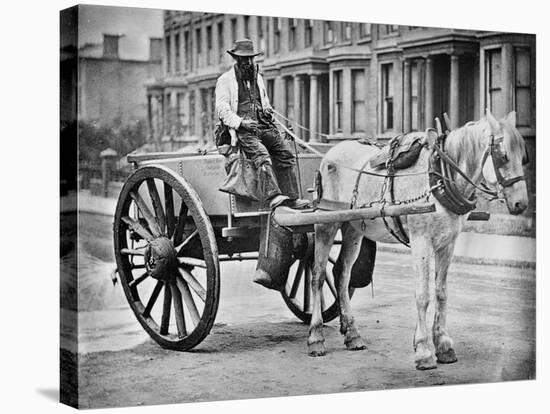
column 503, row 168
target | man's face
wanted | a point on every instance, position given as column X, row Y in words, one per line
column 246, row 66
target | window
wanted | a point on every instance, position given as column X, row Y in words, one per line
column 180, row 114
column 221, row 50
column 192, row 112
column 308, row 32
column 198, row 43
column 493, row 81
column 205, row 114
column 209, row 49
column 338, row 101
column 188, row 54
column 247, row 27
column 387, row 97
column 178, row 52
column 260, row 31
column 522, row 95
column 233, row 30
column 289, row 89
column 270, row 89
column 388, row 29
column 267, row 36
column 345, row 31
column 276, row 34
column 358, row 120
column 168, row 54
column 291, row 34
column 364, row 30
column 328, row 33
column 414, row 97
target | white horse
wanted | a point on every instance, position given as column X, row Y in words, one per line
column 472, row 147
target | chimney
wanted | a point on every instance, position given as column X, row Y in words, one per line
column 155, row 49
column 110, row 46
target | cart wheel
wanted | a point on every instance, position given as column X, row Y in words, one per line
column 167, row 257
column 298, row 298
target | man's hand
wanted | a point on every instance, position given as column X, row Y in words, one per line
column 249, row 124
column 269, row 112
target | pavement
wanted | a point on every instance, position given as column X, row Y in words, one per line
column 471, row 247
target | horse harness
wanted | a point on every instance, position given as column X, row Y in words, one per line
column 442, row 179
column 399, row 233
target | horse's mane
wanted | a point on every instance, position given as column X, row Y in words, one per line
column 465, row 143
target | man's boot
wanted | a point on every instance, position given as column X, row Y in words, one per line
column 286, row 177
column 269, row 187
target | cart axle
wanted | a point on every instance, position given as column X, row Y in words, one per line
column 161, row 261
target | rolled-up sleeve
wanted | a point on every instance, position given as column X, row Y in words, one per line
column 223, row 104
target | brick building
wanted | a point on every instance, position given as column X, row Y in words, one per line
column 344, row 79
column 111, row 88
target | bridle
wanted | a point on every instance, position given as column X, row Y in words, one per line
column 500, row 159
column 443, row 171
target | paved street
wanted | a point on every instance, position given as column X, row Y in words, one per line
column 491, row 318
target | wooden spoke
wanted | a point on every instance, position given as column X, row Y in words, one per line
column 133, row 252
column 157, row 204
column 330, row 282
column 138, row 228
column 152, row 299
column 188, row 299
column 186, row 241
column 178, row 310
column 149, row 218
column 167, row 305
column 191, row 261
column 297, row 279
column 182, row 217
column 332, row 260
column 194, row 283
column 307, row 290
column 138, row 266
column 138, row 280
column 169, row 203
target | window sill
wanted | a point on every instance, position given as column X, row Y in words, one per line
column 363, row 40
column 526, row 131
column 386, row 135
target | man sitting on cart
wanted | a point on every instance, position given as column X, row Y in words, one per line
column 243, row 106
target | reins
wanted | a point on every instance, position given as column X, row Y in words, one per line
column 446, row 184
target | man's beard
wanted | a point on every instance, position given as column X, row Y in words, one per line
column 247, row 72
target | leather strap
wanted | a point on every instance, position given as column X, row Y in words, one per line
column 401, row 236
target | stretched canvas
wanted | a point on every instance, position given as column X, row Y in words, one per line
column 158, row 265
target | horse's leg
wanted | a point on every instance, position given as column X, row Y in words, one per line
column 324, row 238
column 421, row 251
column 351, row 245
column 442, row 341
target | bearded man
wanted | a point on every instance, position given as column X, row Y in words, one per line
column 242, row 104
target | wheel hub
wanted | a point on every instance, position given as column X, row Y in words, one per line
column 161, row 259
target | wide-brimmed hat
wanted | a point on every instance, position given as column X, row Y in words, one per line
column 243, row 47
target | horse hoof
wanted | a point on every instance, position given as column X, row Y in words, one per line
column 426, row 363
column 356, row 344
column 316, row 349
column 447, row 357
